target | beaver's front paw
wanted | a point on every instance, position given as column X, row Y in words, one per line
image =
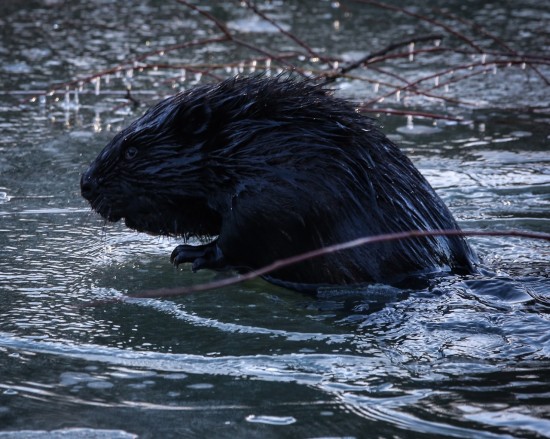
column 202, row 256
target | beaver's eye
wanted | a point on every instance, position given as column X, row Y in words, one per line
column 130, row 153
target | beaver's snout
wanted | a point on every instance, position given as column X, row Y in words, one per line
column 90, row 188
column 88, row 185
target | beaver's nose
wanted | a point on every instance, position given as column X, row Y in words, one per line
column 88, row 185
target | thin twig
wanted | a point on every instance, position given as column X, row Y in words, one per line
column 382, row 52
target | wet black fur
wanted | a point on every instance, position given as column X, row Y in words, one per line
column 274, row 168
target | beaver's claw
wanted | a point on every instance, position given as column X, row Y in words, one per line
column 201, row 256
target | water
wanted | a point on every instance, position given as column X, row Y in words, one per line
column 469, row 357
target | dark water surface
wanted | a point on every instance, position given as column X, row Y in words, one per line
column 469, row 357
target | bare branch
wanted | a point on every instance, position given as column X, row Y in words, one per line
column 354, row 65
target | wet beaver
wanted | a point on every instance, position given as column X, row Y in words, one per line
column 270, row 168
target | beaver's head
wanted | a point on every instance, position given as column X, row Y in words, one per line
column 154, row 173
column 190, row 160
column 178, row 168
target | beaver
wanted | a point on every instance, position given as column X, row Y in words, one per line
column 267, row 168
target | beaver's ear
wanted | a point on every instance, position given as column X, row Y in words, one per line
column 197, row 119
